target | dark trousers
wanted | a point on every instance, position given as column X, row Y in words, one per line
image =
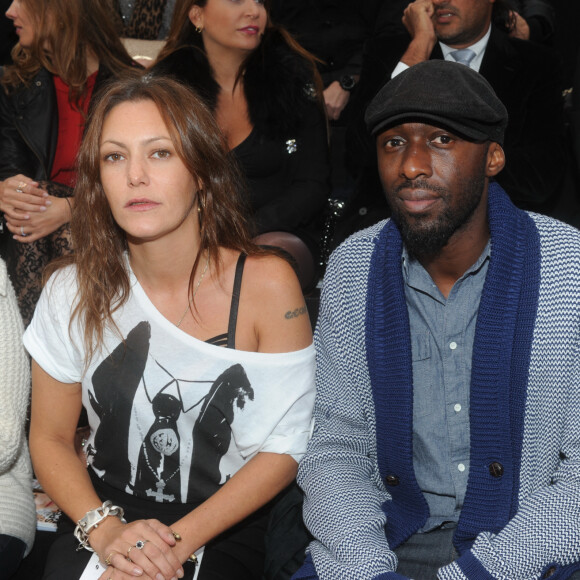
column 237, row 553
column 423, row 554
column 11, row 551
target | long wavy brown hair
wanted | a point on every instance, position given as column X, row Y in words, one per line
column 65, row 30
column 100, row 244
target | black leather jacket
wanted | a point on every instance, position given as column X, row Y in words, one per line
column 29, row 127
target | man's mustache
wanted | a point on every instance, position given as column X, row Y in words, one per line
column 420, row 184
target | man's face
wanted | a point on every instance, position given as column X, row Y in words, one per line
column 435, row 183
column 461, row 23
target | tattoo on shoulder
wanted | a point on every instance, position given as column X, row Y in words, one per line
column 295, row 313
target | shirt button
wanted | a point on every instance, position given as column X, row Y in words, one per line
column 496, row 469
column 549, row 572
column 461, row 467
column 457, row 407
column 392, row 480
column 452, row 345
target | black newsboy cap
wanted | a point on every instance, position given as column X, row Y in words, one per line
column 444, row 94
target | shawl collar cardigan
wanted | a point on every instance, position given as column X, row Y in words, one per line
column 531, row 292
column 501, row 353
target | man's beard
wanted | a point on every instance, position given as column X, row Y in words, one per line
column 424, row 236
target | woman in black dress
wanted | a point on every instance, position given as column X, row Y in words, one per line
column 265, row 93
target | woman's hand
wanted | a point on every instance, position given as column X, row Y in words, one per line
column 140, row 549
column 335, row 99
column 31, row 226
column 20, row 196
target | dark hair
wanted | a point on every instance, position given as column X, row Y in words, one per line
column 65, row 32
column 100, row 244
column 182, row 33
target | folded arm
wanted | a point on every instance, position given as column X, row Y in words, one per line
column 56, row 408
column 344, row 495
column 544, row 534
column 14, row 377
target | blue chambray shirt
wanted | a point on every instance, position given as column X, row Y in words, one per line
column 442, row 334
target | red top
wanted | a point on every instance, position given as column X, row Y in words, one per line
column 71, row 124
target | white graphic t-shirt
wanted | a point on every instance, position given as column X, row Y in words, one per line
column 172, row 418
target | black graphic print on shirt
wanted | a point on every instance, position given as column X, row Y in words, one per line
column 161, row 436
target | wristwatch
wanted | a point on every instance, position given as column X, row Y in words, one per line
column 347, row 82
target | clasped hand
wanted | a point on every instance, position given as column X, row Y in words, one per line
column 30, row 212
column 144, row 548
column 418, row 19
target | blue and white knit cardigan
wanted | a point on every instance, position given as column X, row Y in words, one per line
column 525, row 410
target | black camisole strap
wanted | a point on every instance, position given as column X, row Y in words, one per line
column 235, row 301
column 229, row 339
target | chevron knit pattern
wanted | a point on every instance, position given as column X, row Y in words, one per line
column 524, row 414
column 17, row 511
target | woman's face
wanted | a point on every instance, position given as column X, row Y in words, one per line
column 230, row 24
column 24, row 24
column 150, row 191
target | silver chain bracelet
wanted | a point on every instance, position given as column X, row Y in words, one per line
column 92, row 519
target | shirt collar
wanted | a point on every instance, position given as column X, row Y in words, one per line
column 479, row 48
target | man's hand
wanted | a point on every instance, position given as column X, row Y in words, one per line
column 335, row 99
column 520, row 29
column 418, row 20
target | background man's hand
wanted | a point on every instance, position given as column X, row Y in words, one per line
column 335, row 99
column 418, row 20
column 521, row 28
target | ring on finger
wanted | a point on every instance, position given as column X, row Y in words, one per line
column 21, row 186
column 128, row 552
column 140, row 544
column 22, row 232
column 108, row 559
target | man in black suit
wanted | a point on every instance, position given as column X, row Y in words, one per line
column 525, row 76
column 533, row 19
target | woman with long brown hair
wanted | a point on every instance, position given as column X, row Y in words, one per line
column 66, row 51
column 189, row 347
column 266, row 95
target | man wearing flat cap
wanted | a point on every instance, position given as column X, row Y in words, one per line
column 447, row 420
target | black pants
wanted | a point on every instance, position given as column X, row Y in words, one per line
column 237, row 553
column 423, row 554
column 11, row 551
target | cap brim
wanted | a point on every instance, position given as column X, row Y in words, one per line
column 468, row 132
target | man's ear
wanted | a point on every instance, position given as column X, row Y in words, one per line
column 495, row 159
